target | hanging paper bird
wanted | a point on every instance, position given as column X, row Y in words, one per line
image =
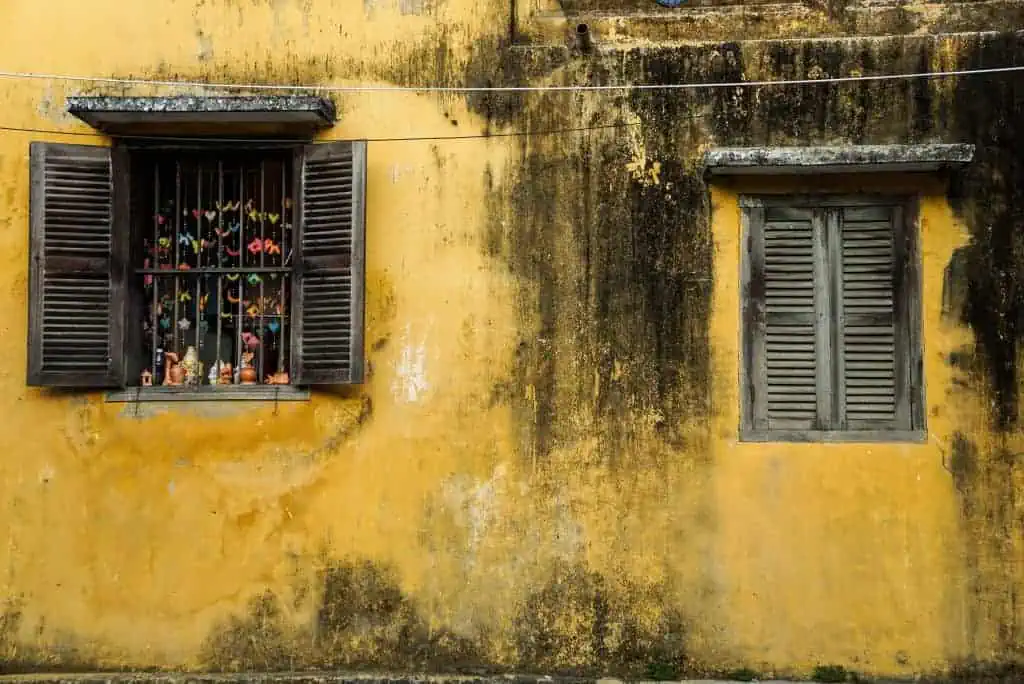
column 273, row 218
column 287, row 202
column 234, row 276
column 164, row 242
column 185, row 296
column 196, row 214
column 186, row 239
column 254, row 279
column 232, row 252
column 256, row 246
column 234, row 299
column 184, row 324
column 165, row 323
column 253, row 311
column 211, row 215
column 270, row 247
column 274, row 326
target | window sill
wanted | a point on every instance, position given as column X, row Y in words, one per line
column 210, row 393
column 847, row 436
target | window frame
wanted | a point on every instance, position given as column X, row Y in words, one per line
column 322, row 162
column 909, row 324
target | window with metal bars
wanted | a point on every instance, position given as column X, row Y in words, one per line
column 215, row 268
column 831, row 320
column 206, row 269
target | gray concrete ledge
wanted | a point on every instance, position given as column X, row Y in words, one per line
column 126, row 114
column 835, row 159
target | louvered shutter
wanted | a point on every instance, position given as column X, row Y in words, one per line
column 76, row 273
column 786, row 342
column 873, row 360
column 328, row 282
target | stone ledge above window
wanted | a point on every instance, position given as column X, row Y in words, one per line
column 280, row 115
column 725, row 161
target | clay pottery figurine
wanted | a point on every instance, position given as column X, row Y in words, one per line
column 190, row 364
column 248, row 375
column 279, row 378
column 146, row 378
column 226, row 375
column 176, row 375
column 170, row 363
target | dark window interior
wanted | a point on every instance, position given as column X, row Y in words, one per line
column 212, row 246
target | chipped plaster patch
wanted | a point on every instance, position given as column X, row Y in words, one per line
column 410, row 381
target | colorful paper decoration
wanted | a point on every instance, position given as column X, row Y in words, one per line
column 254, row 279
column 271, row 247
column 184, row 324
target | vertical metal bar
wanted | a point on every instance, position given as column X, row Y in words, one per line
column 199, row 262
column 284, row 278
column 220, row 247
column 155, row 314
column 241, row 260
column 263, row 213
column 177, row 253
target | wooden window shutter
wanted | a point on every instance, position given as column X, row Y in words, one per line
column 876, row 305
column 786, row 345
column 328, row 281
column 76, row 268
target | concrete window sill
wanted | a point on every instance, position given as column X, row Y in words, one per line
column 210, row 393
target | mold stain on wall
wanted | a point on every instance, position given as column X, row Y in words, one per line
column 542, row 470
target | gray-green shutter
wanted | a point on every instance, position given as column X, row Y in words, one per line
column 328, row 282
column 76, row 269
column 875, row 359
column 785, row 310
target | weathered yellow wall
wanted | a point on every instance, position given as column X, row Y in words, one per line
column 416, row 514
column 843, row 552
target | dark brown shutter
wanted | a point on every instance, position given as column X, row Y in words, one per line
column 872, row 341
column 76, row 274
column 328, row 285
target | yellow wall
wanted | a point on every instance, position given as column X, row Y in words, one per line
column 138, row 535
column 843, row 552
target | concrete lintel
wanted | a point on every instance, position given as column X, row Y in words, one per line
column 836, row 159
column 283, row 114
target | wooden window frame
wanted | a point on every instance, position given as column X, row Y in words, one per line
column 910, row 391
column 327, row 166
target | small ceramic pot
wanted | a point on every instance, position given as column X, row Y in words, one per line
column 248, row 376
column 176, row 376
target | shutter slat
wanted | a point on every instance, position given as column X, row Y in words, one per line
column 75, row 296
column 869, row 346
column 327, row 335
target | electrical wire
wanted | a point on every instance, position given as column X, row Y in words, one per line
column 271, row 141
column 502, row 89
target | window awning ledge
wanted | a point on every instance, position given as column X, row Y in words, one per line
column 835, row 159
column 291, row 116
